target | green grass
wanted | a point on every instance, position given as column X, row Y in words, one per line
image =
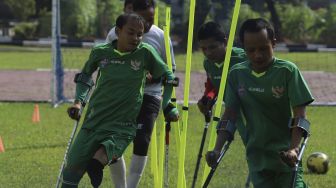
column 28, row 58
column 34, row 152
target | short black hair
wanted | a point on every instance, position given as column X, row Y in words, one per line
column 124, row 18
column 254, row 26
column 127, row 2
column 143, row 4
column 211, row 30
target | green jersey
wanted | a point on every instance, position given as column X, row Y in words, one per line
column 117, row 97
column 214, row 69
column 266, row 100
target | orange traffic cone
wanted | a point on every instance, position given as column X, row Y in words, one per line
column 36, row 114
column 2, row 148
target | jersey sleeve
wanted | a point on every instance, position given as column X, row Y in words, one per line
column 89, row 68
column 154, row 64
column 210, row 91
column 231, row 97
column 298, row 90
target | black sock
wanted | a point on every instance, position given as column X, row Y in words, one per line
column 95, row 172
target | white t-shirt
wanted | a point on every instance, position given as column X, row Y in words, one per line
column 154, row 37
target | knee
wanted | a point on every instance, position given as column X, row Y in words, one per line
column 101, row 156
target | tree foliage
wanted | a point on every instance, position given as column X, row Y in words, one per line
column 78, row 18
column 22, row 9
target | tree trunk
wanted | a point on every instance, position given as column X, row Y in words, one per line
column 275, row 19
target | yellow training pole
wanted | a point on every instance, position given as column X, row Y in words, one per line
column 166, row 30
column 223, row 82
column 153, row 144
column 161, row 150
column 180, row 182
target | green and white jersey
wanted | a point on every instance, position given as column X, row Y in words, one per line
column 214, row 69
column 266, row 100
column 117, row 98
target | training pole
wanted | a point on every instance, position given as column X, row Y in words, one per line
column 166, row 30
column 181, row 183
column 153, row 143
column 223, row 82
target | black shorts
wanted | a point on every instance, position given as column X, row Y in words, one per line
column 149, row 112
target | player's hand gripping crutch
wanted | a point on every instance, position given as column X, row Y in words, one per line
column 167, row 130
column 214, row 155
column 304, row 125
column 207, row 117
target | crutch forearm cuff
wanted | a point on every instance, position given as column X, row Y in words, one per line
column 302, row 123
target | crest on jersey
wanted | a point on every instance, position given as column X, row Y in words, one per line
column 278, row 92
column 103, row 63
column 135, row 65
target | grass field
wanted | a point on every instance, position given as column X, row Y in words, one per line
column 34, row 152
column 74, row 58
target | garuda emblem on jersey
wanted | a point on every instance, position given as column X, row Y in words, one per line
column 135, row 65
column 103, row 63
column 278, row 91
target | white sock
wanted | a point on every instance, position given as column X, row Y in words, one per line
column 137, row 167
column 118, row 173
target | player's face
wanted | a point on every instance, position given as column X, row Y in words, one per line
column 148, row 16
column 212, row 49
column 259, row 49
column 129, row 36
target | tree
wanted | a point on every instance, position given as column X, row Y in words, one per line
column 22, row 9
column 107, row 12
column 78, row 18
column 275, row 19
column 202, row 8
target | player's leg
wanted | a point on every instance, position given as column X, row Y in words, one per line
column 115, row 145
column 80, row 153
column 146, row 119
column 263, row 179
column 96, row 166
column 118, row 173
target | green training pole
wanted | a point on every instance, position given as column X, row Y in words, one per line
column 223, row 82
column 181, row 183
column 153, row 144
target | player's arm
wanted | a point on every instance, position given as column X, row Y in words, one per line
column 158, row 69
column 299, row 96
column 84, row 83
column 299, row 127
column 209, row 97
column 225, row 132
column 226, row 126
